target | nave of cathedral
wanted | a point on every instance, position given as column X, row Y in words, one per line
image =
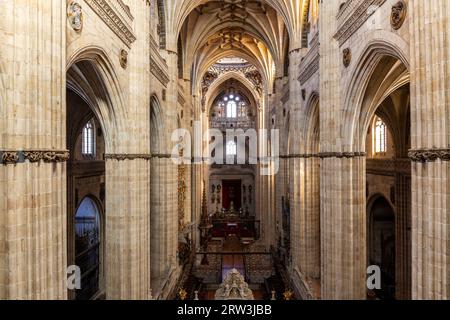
column 225, row 149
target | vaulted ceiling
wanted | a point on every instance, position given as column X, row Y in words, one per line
column 249, row 29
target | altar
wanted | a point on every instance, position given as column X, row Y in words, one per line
column 227, row 226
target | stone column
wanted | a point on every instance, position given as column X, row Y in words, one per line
column 295, row 196
column 158, row 256
column 343, row 228
column 342, row 179
column 33, row 237
column 127, row 228
column 311, row 213
column 430, row 126
column 170, row 212
column 127, row 243
column 282, row 175
column 403, row 236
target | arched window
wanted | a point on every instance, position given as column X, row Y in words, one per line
column 232, row 109
column 231, row 148
column 380, row 136
column 87, row 248
column 88, row 143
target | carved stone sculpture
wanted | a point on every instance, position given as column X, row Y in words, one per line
column 398, row 15
column 75, row 16
column 234, row 287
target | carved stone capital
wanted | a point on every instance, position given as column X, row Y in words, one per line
column 131, row 157
column 300, row 156
column 56, row 156
column 9, row 157
column 341, row 155
column 429, row 155
column 34, row 156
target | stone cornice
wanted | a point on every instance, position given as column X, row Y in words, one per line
column 429, row 155
column 310, row 63
column 108, row 14
column 355, row 18
column 12, row 157
column 309, row 70
column 158, row 72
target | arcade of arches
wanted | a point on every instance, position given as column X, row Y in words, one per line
column 93, row 95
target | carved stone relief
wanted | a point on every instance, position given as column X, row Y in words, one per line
column 75, row 16
column 398, row 15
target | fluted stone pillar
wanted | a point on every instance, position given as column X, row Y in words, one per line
column 158, row 255
column 127, row 229
column 342, row 178
column 295, row 162
column 127, row 225
column 430, row 126
column 343, row 228
column 33, row 194
column 311, row 216
column 403, row 236
column 295, row 196
column 170, row 183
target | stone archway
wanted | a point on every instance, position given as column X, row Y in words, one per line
column 93, row 78
column 85, row 178
column 379, row 75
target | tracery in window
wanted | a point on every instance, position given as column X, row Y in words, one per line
column 380, row 136
column 88, row 142
column 231, row 148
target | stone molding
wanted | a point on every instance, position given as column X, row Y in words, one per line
column 181, row 99
column 123, row 157
column 108, row 14
column 299, row 156
column 356, row 19
column 162, row 156
column 325, row 155
column 158, row 72
column 341, row 155
column 311, row 62
column 10, row 157
column 429, row 155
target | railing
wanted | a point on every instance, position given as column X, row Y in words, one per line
column 256, row 266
